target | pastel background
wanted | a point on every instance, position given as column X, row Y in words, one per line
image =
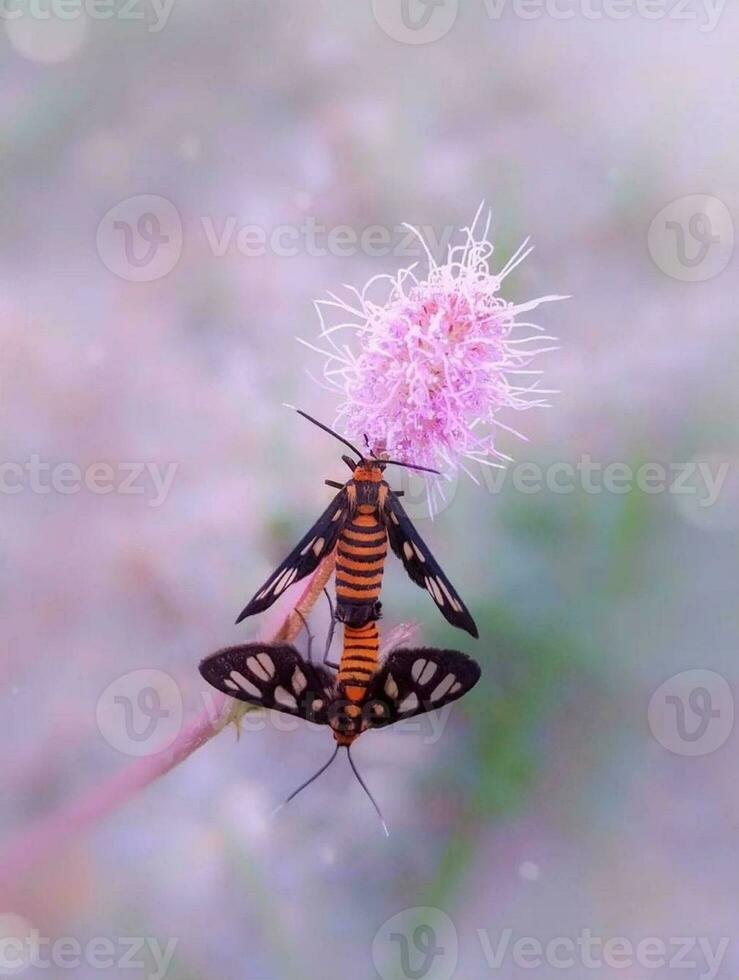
column 547, row 806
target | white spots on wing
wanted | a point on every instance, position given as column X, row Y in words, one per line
column 428, row 673
column 391, row 688
column 277, row 586
column 454, row 603
column 258, row 669
column 317, row 705
column 423, row 670
column 443, row 687
column 318, row 546
column 307, row 548
column 434, row 590
column 419, row 554
column 229, row 683
column 299, row 681
column 337, row 515
column 285, row 698
column 409, row 703
column 245, row 684
column 394, row 518
column 266, row 661
column 455, row 688
column 408, row 550
column 378, row 709
column 287, row 578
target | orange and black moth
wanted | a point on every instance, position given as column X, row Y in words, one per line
column 359, row 522
column 366, row 692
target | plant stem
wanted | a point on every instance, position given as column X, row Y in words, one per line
column 51, row 833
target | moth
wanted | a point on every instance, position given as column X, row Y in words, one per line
column 363, row 516
column 365, row 693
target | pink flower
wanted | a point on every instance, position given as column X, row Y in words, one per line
column 431, row 365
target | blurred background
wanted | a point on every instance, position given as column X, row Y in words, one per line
column 180, row 183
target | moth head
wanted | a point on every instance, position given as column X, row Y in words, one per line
column 346, row 722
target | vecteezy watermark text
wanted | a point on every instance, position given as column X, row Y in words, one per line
column 706, row 12
column 427, row 21
column 141, row 238
column 19, row 952
column 317, row 240
column 591, row 476
column 35, row 475
column 592, row 952
column 156, row 13
column 701, row 479
column 423, row 942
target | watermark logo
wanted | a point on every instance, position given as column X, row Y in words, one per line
column 692, row 713
column 140, row 239
column 415, row 21
column 416, row 944
column 140, row 713
column 692, row 239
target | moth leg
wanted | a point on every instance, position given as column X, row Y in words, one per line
column 330, row 637
column 336, row 484
column 310, row 635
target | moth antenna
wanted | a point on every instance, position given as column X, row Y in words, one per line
column 326, row 429
column 410, row 466
column 306, row 783
column 370, row 450
column 364, row 787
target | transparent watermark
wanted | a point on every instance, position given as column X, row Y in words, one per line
column 423, row 944
column 22, row 948
column 141, row 713
column 589, row 951
column 314, row 238
column 703, row 479
column 154, row 13
column 692, row 713
column 692, row 238
column 415, row 21
column 141, row 238
column 705, row 13
column 426, row 21
column 150, row 480
column 417, row 943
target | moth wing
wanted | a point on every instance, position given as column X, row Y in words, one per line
column 272, row 675
column 422, row 567
column 305, row 556
column 414, row 681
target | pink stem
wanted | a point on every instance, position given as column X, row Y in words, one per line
column 45, row 837
column 49, row 834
